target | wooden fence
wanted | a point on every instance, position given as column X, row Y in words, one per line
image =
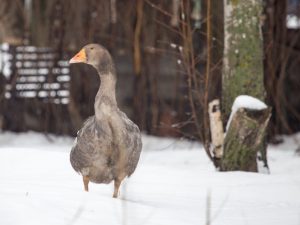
column 35, row 94
column 33, row 72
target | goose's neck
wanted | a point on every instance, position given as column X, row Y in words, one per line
column 107, row 92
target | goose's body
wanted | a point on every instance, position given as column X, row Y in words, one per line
column 108, row 146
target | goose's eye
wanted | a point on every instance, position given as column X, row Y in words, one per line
column 92, row 48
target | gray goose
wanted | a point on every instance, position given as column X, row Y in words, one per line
column 108, row 146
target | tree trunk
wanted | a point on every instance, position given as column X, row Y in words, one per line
column 243, row 75
column 243, row 59
column 11, row 22
column 244, row 139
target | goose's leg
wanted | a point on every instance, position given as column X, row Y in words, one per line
column 117, row 184
column 86, row 180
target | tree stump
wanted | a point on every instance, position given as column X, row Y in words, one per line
column 244, row 139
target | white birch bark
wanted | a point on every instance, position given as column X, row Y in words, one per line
column 216, row 128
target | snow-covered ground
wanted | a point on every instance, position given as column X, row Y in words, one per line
column 174, row 184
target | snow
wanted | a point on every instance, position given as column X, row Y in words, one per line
column 245, row 101
column 173, row 45
column 292, row 22
column 170, row 186
column 4, row 60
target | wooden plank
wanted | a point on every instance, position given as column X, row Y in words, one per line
column 33, row 49
column 41, row 79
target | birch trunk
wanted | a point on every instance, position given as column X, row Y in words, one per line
column 216, row 129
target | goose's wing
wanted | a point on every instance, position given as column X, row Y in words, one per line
column 90, row 146
column 133, row 143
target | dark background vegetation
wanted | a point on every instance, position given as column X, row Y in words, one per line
column 169, row 64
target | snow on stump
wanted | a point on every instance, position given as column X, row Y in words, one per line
column 245, row 137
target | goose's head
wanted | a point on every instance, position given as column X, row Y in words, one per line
column 96, row 56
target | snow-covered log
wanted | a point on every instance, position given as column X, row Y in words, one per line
column 245, row 137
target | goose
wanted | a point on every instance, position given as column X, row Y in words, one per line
column 108, row 146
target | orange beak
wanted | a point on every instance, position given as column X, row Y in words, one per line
column 80, row 57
